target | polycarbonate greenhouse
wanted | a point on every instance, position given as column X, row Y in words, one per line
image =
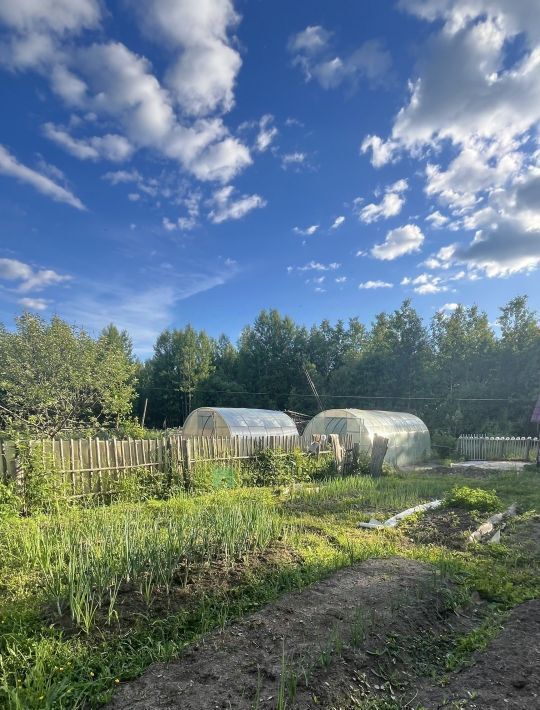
column 237, row 421
column 408, row 437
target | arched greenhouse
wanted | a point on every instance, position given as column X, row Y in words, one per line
column 408, row 437
column 238, row 421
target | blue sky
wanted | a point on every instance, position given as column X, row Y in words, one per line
column 200, row 161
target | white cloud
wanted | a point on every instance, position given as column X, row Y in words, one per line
column 317, row 266
column 55, row 15
column 37, row 28
column 425, row 284
column 312, row 40
column 117, row 86
column 34, row 304
column 375, row 284
column 382, row 152
column 27, row 278
column 390, row 206
column 340, row 279
column 437, row 220
column 443, row 259
column 267, row 133
column 134, row 197
column 475, row 97
column 109, row 147
column 203, row 74
column 226, row 207
column 448, row 307
column 295, row 159
column 9, row 165
column 307, row 231
column 398, row 242
column 311, row 51
column 361, row 252
column 187, row 222
column 338, row 222
column 118, row 177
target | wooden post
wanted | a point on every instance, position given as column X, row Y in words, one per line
column 338, row 452
column 20, row 477
column 378, row 452
column 144, row 412
column 355, row 457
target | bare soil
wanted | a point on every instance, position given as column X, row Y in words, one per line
column 368, row 634
column 313, row 646
column 505, row 675
column 445, row 526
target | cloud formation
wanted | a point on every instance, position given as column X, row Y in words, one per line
column 10, row 166
column 398, row 242
column 306, row 231
column 317, row 266
column 475, row 97
column 226, row 207
column 390, row 205
column 26, row 278
column 336, row 224
column 178, row 120
column 312, row 52
column 375, row 284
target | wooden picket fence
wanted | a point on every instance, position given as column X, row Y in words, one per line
column 92, row 466
column 476, row 447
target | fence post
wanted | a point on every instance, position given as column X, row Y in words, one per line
column 378, row 452
column 20, row 477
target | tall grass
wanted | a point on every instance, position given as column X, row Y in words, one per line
column 388, row 493
column 85, row 558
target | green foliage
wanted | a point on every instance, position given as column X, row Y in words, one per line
column 54, row 376
column 82, row 560
column 44, row 489
column 10, row 502
column 140, row 484
column 182, row 361
column 46, row 665
column 473, row 499
column 398, row 363
column 277, row 468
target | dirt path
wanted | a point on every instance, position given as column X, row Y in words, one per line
column 505, row 675
column 323, row 630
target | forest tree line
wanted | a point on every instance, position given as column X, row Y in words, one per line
column 457, row 372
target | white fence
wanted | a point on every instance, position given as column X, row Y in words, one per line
column 477, row 447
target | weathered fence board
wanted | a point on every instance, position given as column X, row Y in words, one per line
column 97, row 466
column 478, row 447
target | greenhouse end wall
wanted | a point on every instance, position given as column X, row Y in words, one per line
column 238, row 421
column 408, row 437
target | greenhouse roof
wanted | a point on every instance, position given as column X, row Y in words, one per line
column 244, row 421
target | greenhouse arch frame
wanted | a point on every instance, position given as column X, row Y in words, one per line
column 408, row 437
column 238, row 421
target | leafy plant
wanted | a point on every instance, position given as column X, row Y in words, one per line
column 473, row 499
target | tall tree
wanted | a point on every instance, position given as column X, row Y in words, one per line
column 271, row 356
column 182, row 360
column 54, row 376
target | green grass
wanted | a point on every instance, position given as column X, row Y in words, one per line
column 191, row 564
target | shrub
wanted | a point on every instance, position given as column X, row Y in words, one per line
column 473, row 499
column 276, row 468
column 10, row 502
column 362, row 466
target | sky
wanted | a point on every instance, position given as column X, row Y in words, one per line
column 174, row 162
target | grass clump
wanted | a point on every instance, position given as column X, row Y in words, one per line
column 473, row 499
